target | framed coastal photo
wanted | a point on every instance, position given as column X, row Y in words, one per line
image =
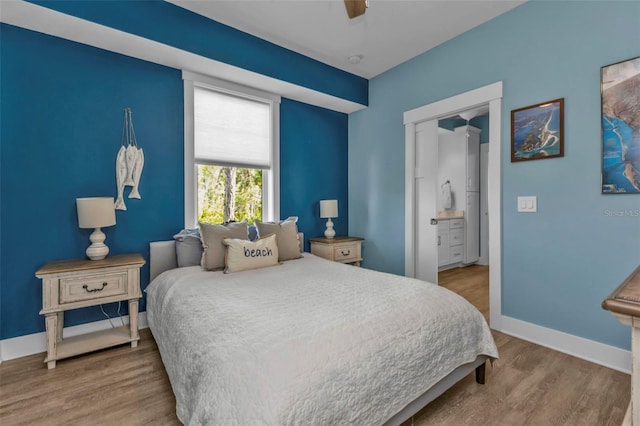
column 537, row 131
column 620, row 90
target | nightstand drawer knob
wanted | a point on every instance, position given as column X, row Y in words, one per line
column 86, row 287
column 345, row 253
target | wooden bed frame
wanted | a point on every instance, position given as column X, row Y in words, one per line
column 162, row 257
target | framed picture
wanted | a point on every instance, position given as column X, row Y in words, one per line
column 620, row 90
column 537, row 131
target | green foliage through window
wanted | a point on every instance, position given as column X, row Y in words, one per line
column 229, row 194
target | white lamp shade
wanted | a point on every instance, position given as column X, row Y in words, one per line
column 96, row 212
column 328, row 208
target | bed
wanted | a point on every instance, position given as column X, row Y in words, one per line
column 308, row 342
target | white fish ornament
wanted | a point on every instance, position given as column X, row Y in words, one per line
column 131, row 157
column 129, row 162
column 121, row 175
column 137, row 172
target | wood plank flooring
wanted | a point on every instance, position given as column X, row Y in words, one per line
column 532, row 385
column 528, row 385
column 470, row 282
column 118, row 386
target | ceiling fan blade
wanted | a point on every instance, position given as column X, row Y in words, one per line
column 355, row 8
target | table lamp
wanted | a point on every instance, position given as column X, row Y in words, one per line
column 96, row 212
column 328, row 210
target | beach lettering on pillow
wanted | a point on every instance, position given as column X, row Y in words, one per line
column 242, row 255
column 256, row 252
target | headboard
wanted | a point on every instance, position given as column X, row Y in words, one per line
column 162, row 256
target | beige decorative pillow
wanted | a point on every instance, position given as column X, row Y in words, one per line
column 286, row 236
column 244, row 254
column 212, row 236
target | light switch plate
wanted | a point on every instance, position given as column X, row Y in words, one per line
column 528, row 204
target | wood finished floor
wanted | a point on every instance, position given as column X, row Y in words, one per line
column 528, row 385
column 471, row 282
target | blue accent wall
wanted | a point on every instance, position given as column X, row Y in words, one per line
column 61, row 115
column 313, row 153
column 174, row 26
column 482, row 123
column 561, row 262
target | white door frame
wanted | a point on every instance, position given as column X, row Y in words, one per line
column 484, row 205
column 492, row 95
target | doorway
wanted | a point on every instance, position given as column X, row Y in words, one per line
column 420, row 232
column 484, row 204
column 461, row 249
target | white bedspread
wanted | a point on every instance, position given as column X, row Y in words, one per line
column 309, row 342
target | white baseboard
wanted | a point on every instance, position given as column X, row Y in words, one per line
column 35, row 343
column 589, row 350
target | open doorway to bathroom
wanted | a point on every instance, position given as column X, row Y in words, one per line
column 421, row 137
column 463, row 240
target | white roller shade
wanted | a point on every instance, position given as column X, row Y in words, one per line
column 231, row 130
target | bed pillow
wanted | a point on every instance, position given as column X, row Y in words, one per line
column 188, row 247
column 253, row 233
column 214, row 250
column 286, row 237
column 242, row 255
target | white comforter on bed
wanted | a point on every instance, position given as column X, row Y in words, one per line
column 307, row 342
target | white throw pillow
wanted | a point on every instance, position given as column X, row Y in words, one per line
column 286, row 233
column 212, row 236
column 244, row 254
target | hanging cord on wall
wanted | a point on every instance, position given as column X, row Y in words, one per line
column 106, row 315
column 120, row 315
column 128, row 134
column 109, row 318
column 131, row 134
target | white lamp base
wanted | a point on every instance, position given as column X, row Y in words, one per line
column 98, row 250
column 329, row 232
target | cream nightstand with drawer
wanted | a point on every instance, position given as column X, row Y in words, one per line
column 72, row 284
column 338, row 249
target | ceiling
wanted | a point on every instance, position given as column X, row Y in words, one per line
column 389, row 33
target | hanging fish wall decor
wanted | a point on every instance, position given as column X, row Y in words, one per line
column 121, row 175
column 137, row 171
column 129, row 162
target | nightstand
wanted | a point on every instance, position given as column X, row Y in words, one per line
column 72, row 284
column 338, row 249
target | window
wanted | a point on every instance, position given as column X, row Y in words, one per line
column 228, row 194
column 231, row 152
